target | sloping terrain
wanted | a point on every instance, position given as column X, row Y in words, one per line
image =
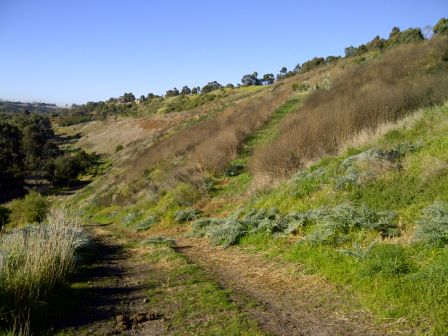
column 334, row 195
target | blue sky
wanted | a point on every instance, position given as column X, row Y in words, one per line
column 73, row 51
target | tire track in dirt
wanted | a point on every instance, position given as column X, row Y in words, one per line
column 283, row 299
column 113, row 295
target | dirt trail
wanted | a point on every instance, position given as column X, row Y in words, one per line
column 287, row 302
column 280, row 297
column 111, row 294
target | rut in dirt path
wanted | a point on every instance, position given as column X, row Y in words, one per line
column 111, row 294
column 286, row 303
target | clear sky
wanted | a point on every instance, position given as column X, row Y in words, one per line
column 73, row 51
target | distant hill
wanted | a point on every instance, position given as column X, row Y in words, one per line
column 21, row 107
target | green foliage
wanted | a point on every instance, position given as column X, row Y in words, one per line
column 387, row 260
column 251, row 79
column 441, row 27
column 65, row 169
column 312, row 64
column 432, row 227
column 185, row 194
column 210, row 86
column 300, row 87
column 130, row 218
column 235, row 169
column 31, row 209
column 406, row 36
column 370, row 164
column 118, row 148
column 160, row 240
column 334, row 226
column 146, row 223
column 172, row 93
column 4, row 216
column 187, row 215
column 227, row 233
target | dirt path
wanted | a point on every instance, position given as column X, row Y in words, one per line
column 111, row 294
column 287, row 302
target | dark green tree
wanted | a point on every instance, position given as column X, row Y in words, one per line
column 268, row 79
column 250, row 79
column 441, row 26
column 185, row 90
column 211, row 86
column 172, row 93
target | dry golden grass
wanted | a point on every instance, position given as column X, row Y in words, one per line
column 359, row 100
column 208, row 146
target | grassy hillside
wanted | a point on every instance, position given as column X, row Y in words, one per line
column 373, row 219
column 339, row 168
column 365, row 207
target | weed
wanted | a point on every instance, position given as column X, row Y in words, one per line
column 432, row 227
column 387, row 260
column 187, row 215
column 160, row 240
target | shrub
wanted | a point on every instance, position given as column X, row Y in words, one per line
column 130, row 218
column 334, row 225
column 31, row 209
column 186, row 194
column 146, row 224
column 432, row 227
column 387, row 260
column 200, row 227
column 118, row 148
column 368, row 165
column 187, row 215
column 227, row 233
column 161, row 240
column 234, row 169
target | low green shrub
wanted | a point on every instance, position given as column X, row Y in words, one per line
column 432, row 227
column 118, row 148
column 234, row 169
column 130, row 218
column 160, row 240
column 30, row 209
column 325, row 225
column 147, row 223
column 333, row 225
column 227, row 233
column 187, row 215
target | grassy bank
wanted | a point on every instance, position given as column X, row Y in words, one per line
column 373, row 219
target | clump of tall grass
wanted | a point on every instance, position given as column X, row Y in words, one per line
column 34, row 260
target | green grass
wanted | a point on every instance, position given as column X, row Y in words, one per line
column 237, row 185
column 197, row 306
column 393, row 278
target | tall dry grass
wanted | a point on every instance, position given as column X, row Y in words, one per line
column 209, row 146
column 360, row 98
column 34, row 260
